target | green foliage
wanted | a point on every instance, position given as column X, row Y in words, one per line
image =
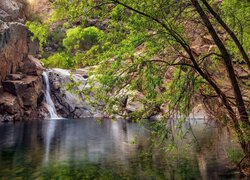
column 124, row 52
column 39, row 30
column 60, row 60
column 74, row 36
column 237, row 14
column 235, row 155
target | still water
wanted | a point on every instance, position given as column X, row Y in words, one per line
column 108, row 149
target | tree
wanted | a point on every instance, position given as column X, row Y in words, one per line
column 157, row 28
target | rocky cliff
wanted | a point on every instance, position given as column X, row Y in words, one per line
column 20, row 72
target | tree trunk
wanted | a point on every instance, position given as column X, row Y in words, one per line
column 228, row 63
column 232, row 77
column 229, row 31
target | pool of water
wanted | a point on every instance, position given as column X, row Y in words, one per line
column 108, row 149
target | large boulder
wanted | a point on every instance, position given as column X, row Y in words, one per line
column 32, row 66
column 13, row 48
column 67, row 89
column 70, row 103
column 21, row 96
column 9, row 103
column 11, row 8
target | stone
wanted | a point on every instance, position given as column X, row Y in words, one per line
column 14, row 87
column 13, row 48
column 69, row 103
column 30, row 98
column 32, row 92
column 1, row 89
column 4, row 16
column 11, row 7
column 32, row 66
column 9, row 103
column 4, row 34
column 15, row 77
column 27, row 91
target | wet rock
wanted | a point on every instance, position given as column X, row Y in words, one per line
column 4, row 34
column 26, row 92
column 70, row 103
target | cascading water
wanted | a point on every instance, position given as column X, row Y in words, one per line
column 49, row 103
column 51, row 126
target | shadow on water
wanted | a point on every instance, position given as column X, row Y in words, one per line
column 106, row 149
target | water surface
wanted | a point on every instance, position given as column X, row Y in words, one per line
column 107, row 149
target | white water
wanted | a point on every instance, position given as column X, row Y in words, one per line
column 49, row 129
column 49, row 103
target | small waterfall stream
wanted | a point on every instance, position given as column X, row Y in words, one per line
column 49, row 103
column 49, row 130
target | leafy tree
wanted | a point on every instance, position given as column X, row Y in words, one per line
column 39, row 30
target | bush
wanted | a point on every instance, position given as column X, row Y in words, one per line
column 59, row 60
column 89, row 35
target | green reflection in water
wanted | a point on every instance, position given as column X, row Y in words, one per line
column 85, row 149
column 147, row 165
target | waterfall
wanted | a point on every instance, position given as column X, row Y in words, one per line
column 49, row 103
column 49, row 130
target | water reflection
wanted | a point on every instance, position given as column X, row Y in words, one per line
column 49, row 130
column 107, row 149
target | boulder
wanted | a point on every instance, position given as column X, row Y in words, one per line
column 33, row 92
column 32, row 66
column 70, row 103
column 9, row 104
column 11, row 8
column 27, row 90
column 13, row 48
column 14, row 87
column 15, row 77
column 4, row 16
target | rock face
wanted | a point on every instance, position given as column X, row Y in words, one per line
column 20, row 72
column 69, row 103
